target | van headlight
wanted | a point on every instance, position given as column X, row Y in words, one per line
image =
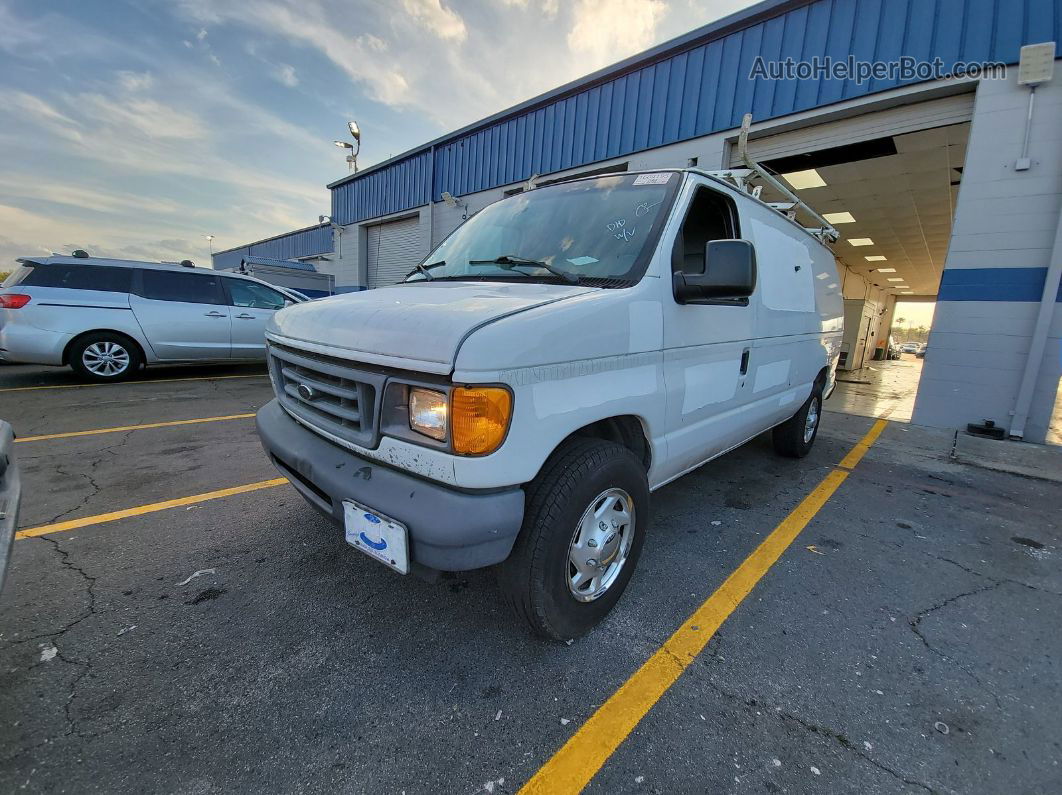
column 476, row 418
column 427, row 412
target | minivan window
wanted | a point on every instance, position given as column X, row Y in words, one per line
column 601, row 231
column 78, row 277
column 190, row 288
column 254, row 295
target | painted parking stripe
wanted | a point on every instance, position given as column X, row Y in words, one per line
column 130, row 383
column 114, row 516
column 142, row 427
column 578, row 760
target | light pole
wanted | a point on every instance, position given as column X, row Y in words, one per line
column 354, row 148
column 210, row 247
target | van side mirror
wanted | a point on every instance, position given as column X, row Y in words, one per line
column 729, row 272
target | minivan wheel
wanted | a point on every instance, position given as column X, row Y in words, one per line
column 794, row 437
column 104, row 357
column 585, row 519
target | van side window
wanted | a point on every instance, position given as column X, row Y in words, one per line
column 253, row 295
column 190, row 288
column 710, row 217
column 79, row 277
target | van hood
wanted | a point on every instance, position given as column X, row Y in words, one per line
column 416, row 326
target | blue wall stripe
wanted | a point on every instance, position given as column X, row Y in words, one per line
column 993, row 284
column 699, row 88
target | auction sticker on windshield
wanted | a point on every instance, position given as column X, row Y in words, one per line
column 377, row 536
column 652, row 179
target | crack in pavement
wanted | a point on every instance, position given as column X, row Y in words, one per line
column 915, row 623
column 822, row 731
column 84, row 664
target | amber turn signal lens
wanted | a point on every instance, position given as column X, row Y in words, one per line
column 479, row 418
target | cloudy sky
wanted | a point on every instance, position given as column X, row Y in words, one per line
column 134, row 128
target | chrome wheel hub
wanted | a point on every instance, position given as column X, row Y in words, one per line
column 105, row 358
column 601, row 544
column 812, row 422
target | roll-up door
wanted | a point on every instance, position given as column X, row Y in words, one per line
column 868, row 126
column 393, row 251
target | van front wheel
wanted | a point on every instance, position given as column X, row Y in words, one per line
column 794, row 437
column 584, row 523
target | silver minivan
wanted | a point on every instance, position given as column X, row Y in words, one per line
column 106, row 318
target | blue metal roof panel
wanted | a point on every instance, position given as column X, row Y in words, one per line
column 697, row 85
column 306, row 242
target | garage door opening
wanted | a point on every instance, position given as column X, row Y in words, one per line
column 892, row 199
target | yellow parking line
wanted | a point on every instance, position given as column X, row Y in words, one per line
column 142, row 427
column 127, row 383
column 100, row 518
column 578, row 760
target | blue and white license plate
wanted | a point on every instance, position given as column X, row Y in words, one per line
column 377, row 536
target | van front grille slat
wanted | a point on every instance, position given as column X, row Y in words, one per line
column 334, row 396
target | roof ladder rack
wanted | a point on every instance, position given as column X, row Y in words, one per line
column 742, row 177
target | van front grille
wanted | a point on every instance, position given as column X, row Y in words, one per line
column 327, row 393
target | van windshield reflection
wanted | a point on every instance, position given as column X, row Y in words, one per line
column 596, row 231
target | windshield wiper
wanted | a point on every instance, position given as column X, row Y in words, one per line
column 425, row 269
column 509, row 261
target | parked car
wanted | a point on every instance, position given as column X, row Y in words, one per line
column 558, row 357
column 105, row 318
column 921, row 354
column 909, row 347
column 10, row 495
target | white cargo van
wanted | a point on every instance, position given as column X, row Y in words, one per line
column 558, row 357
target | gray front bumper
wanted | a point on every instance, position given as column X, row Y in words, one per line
column 449, row 530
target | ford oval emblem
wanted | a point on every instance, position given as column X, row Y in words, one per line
column 306, row 392
column 372, row 518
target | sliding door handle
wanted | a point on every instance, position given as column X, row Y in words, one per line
column 745, row 361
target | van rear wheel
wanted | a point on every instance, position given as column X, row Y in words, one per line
column 584, row 523
column 794, row 437
column 103, row 357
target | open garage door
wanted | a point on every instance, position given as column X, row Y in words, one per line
column 392, row 251
column 858, row 129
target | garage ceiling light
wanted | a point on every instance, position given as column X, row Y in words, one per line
column 876, row 258
column 804, row 179
column 896, row 280
column 886, row 270
column 861, row 241
column 839, row 218
column 907, row 292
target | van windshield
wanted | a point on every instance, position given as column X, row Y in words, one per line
column 599, row 232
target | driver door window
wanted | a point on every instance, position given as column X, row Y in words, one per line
column 710, row 217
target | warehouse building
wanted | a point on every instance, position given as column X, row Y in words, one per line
column 945, row 183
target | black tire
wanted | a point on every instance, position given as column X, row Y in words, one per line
column 789, row 437
column 535, row 578
column 126, row 354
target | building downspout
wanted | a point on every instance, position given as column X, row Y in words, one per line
column 1039, row 338
column 431, row 199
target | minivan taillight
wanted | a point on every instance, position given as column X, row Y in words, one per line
column 13, row 301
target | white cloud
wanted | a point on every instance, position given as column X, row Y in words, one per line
column 285, row 75
column 202, row 34
column 44, row 113
column 605, row 31
column 135, row 81
column 442, row 21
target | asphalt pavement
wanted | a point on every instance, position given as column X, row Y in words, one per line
column 907, row 641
